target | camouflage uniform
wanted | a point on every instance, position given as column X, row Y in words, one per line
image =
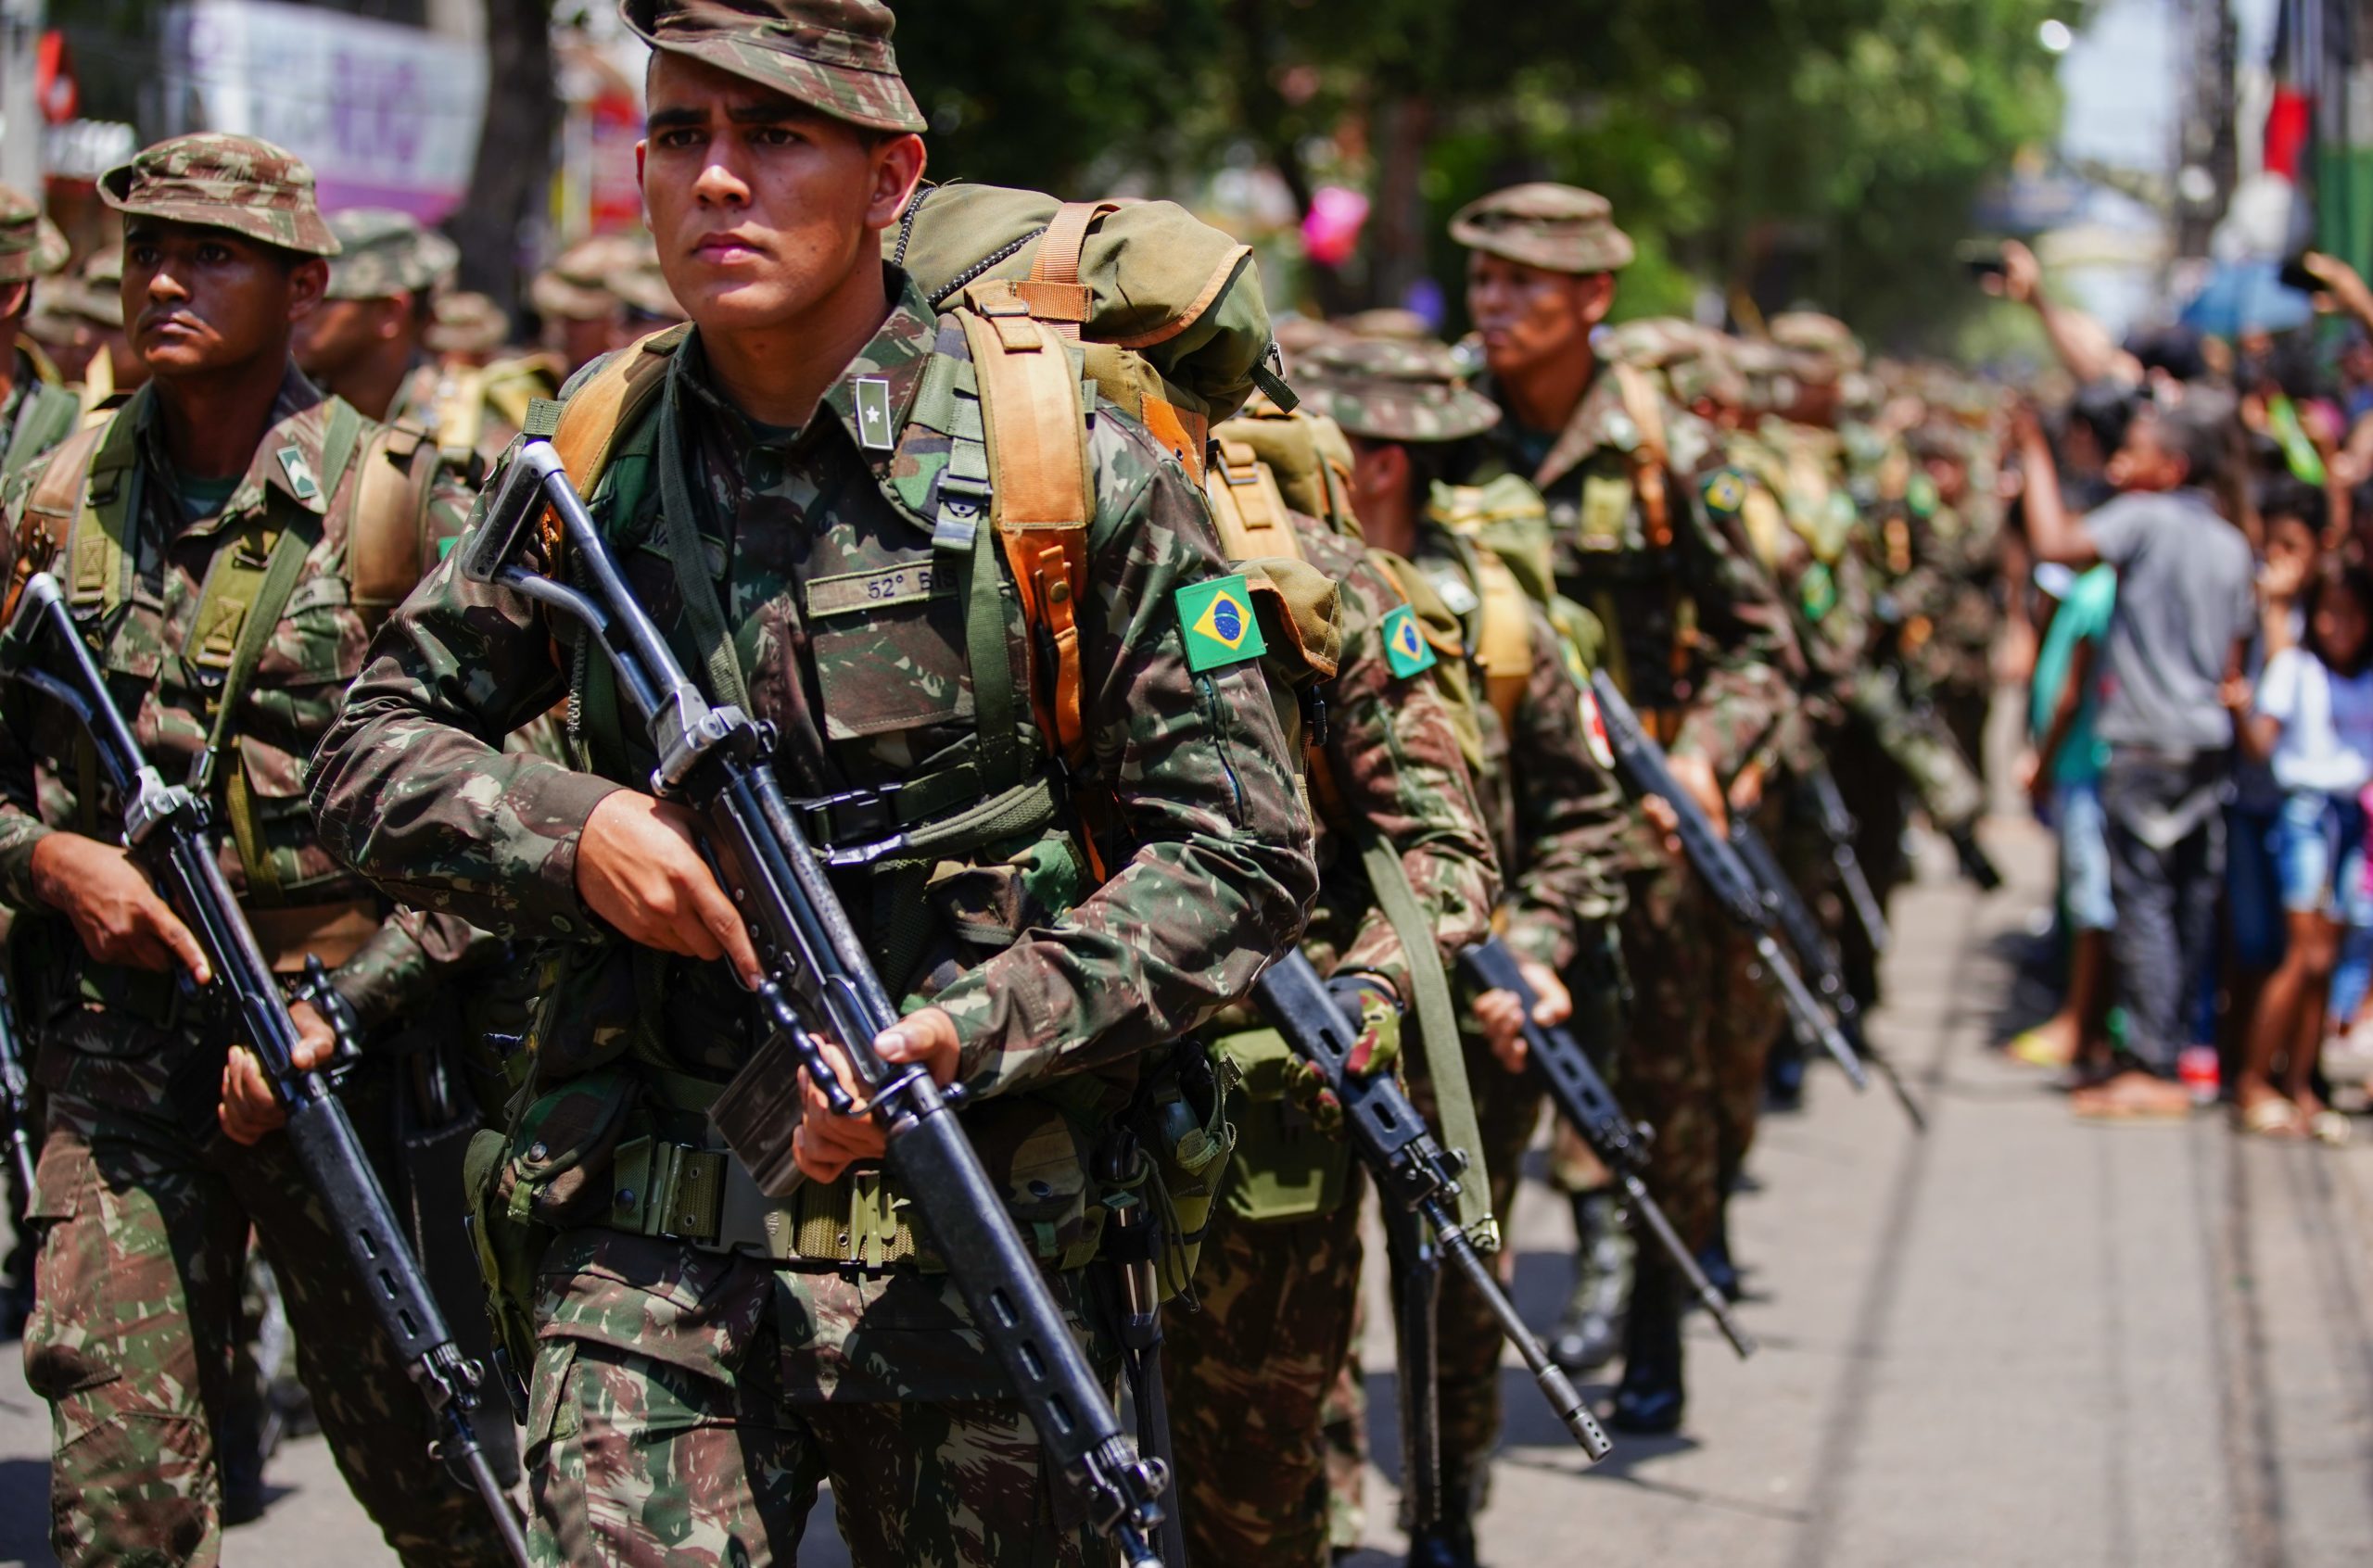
column 37, row 413
column 145, row 1208
column 1556, row 816
column 1252, row 1369
column 692, row 1390
column 1697, row 639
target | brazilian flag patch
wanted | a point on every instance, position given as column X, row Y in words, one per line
column 1726, row 491
column 1405, row 649
column 1219, row 626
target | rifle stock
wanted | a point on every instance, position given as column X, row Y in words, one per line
column 821, row 980
column 1582, row 1097
column 168, row 833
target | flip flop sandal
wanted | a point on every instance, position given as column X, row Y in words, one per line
column 2032, row 1047
column 2331, row 1129
column 2271, row 1118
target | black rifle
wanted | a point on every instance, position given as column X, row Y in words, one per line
column 1642, row 762
column 1416, row 1268
column 1589, row 1107
column 168, row 833
column 1821, row 963
column 821, row 980
column 1838, row 827
column 1413, row 1172
column 16, row 1095
column 1132, row 1245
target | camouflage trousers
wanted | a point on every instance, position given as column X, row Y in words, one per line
column 680, row 1415
column 1680, row 953
column 135, row 1336
column 1253, row 1378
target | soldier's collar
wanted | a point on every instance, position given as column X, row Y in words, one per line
column 874, row 394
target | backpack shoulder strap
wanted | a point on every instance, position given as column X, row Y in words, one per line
column 50, row 510
column 49, row 414
column 593, row 415
column 1053, row 291
column 1248, row 507
column 1652, row 453
column 1042, row 496
column 388, row 548
column 85, row 501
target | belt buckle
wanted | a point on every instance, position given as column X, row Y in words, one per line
column 833, row 820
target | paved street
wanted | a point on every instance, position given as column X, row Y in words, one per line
column 2016, row 1341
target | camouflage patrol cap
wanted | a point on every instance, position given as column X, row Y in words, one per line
column 834, row 56
column 578, row 285
column 467, row 322
column 1827, row 346
column 221, row 182
column 1556, row 228
column 644, row 290
column 30, row 246
column 383, row 252
column 1696, row 360
column 1392, row 389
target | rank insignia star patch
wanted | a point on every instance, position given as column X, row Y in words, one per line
column 873, row 414
column 1405, row 649
column 1219, row 626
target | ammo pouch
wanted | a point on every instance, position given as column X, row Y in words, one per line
column 525, row 1184
column 1180, row 1122
column 1287, row 1167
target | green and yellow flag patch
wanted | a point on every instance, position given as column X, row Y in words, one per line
column 1217, row 620
column 1406, row 651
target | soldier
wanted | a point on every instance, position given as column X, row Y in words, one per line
column 99, row 354
column 694, row 1383
column 582, row 297
column 1556, row 816
column 370, row 341
column 1696, row 636
column 1278, row 1281
column 156, row 520
column 35, row 410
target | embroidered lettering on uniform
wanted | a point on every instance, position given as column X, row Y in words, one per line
column 1405, row 649
column 869, row 590
column 1217, row 618
column 301, row 481
column 873, row 414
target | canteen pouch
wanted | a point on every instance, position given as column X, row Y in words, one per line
column 1287, row 1169
column 547, row 1172
column 1181, row 1124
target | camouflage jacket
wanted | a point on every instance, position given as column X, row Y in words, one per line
column 35, row 416
column 1814, row 555
column 1696, row 631
column 472, row 409
column 1557, row 815
column 1391, row 764
column 121, row 1045
column 852, row 637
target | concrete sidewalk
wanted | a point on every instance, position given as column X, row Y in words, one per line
column 2019, row 1340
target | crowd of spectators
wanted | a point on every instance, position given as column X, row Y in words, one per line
column 2200, row 515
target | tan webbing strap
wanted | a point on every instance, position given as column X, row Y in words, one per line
column 1035, row 429
column 1503, row 642
column 607, row 406
column 1248, row 508
column 51, row 509
column 1651, row 455
column 93, row 500
column 1053, row 290
column 460, row 409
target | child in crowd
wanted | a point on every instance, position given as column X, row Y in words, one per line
column 2312, row 718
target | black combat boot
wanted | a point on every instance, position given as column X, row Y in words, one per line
column 1448, row 1542
column 1592, row 1325
column 1648, row 1400
column 1721, row 1273
column 1783, row 1073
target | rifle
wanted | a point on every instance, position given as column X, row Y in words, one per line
column 1813, row 950
column 719, row 761
column 16, row 1096
column 1416, row 1274
column 1413, row 1172
column 1589, row 1107
column 1838, row 827
column 168, row 833
column 1642, row 762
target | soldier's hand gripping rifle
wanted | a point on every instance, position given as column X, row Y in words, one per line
column 1642, row 762
column 1412, row 1170
column 169, row 836
column 820, row 980
column 1813, row 950
column 16, row 1096
column 1589, row 1107
column 1837, row 826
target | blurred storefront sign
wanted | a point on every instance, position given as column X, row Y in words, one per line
column 387, row 115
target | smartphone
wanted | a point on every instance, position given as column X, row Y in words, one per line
column 2294, row 274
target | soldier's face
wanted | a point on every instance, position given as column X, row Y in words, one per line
column 198, row 299
column 762, row 209
column 340, row 332
column 1528, row 317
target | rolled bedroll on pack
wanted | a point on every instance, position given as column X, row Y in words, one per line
column 1168, row 310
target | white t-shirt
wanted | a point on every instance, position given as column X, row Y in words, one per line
column 2327, row 723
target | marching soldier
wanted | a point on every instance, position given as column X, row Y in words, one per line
column 798, row 450
column 159, row 522
column 1694, row 635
